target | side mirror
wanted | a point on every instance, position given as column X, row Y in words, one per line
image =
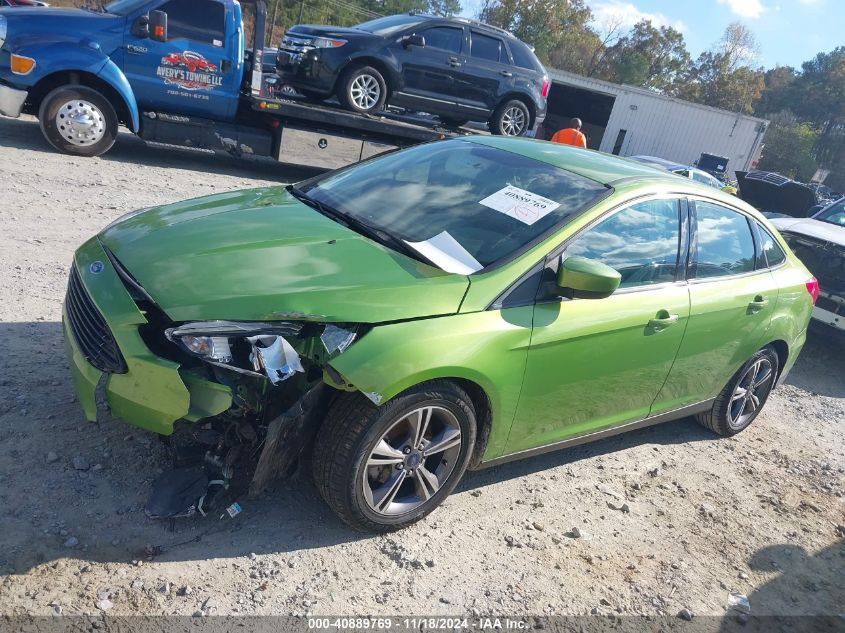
column 413, row 40
column 582, row 278
column 141, row 28
column 158, row 26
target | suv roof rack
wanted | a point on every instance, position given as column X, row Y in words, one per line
column 483, row 24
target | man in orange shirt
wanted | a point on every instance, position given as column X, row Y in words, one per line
column 571, row 135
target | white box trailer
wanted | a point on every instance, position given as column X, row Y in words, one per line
column 630, row 121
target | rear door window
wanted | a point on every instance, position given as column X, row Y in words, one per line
column 446, row 38
column 724, row 245
column 486, row 47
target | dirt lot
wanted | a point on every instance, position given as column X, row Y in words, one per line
column 760, row 514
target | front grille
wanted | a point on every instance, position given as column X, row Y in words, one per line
column 297, row 44
column 89, row 329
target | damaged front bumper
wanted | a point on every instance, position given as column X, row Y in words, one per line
column 830, row 309
column 152, row 392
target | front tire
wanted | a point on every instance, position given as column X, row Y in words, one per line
column 362, row 89
column 510, row 118
column 744, row 396
column 383, row 468
column 78, row 120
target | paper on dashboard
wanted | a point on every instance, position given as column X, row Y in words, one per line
column 447, row 253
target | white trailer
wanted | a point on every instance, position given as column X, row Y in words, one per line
column 630, row 121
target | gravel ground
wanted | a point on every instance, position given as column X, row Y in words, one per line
column 760, row 514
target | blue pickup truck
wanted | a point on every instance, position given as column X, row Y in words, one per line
column 175, row 72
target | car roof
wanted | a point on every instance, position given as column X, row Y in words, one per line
column 598, row 166
column 659, row 162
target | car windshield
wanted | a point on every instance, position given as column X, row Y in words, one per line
column 834, row 214
column 390, row 24
column 475, row 203
column 123, row 7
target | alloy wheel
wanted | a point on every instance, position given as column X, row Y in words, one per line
column 364, row 91
column 412, row 460
column 750, row 393
column 513, row 121
column 81, row 123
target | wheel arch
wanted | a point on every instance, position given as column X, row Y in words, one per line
column 126, row 110
column 782, row 350
column 366, row 60
column 524, row 98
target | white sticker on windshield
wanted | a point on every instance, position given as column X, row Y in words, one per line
column 520, row 204
column 447, row 253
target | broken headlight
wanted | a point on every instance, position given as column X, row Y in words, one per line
column 269, row 352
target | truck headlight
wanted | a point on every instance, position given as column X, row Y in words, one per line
column 325, row 42
column 3, row 27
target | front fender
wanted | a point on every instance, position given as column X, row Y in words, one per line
column 112, row 75
column 56, row 57
column 488, row 348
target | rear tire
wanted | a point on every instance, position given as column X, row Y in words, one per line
column 735, row 408
column 415, row 469
column 510, row 118
column 362, row 89
column 78, row 120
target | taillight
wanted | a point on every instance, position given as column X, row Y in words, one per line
column 544, row 91
column 813, row 288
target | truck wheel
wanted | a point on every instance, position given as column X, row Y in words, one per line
column 383, row 468
column 511, row 118
column 362, row 89
column 78, row 120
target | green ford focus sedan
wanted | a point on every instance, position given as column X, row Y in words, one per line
column 447, row 307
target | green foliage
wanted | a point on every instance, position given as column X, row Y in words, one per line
column 789, row 149
column 648, row 56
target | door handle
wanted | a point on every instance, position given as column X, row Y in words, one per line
column 225, row 65
column 506, row 73
column 759, row 303
column 454, row 61
column 663, row 320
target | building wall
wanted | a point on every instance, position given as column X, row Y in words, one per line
column 671, row 128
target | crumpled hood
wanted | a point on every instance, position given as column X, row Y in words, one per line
column 812, row 228
column 262, row 255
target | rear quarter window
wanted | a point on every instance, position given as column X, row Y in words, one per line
column 771, row 254
column 523, row 57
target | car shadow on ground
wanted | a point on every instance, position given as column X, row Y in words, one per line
column 49, row 500
column 806, row 586
column 25, row 133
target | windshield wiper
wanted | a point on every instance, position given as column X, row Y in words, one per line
column 374, row 233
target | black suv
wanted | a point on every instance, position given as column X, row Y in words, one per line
column 454, row 68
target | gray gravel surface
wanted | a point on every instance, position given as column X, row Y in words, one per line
column 668, row 520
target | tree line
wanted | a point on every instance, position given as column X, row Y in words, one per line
column 806, row 105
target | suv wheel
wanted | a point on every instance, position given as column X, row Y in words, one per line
column 383, row 468
column 511, row 118
column 362, row 89
column 78, row 120
column 743, row 397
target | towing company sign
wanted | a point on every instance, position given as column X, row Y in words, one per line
column 189, row 71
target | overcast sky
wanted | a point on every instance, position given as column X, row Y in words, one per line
column 789, row 31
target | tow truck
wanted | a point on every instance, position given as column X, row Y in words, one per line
column 191, row 83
